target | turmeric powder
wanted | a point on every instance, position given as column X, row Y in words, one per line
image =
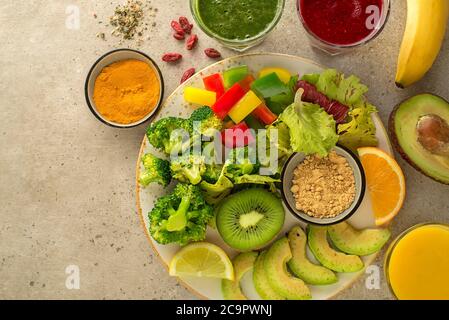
column 126, row 91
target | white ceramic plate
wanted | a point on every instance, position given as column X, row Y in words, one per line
column 175, row 106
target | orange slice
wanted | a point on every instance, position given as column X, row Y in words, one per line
column 385, row 182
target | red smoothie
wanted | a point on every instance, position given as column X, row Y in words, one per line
column 341, row 22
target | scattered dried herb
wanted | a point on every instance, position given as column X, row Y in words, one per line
column 101, row 35
column 127, row 18
column 130, row 20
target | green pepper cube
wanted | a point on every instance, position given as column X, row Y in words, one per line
column 275, row 107
column 269, row 86
column 234, row 75
column 253, row 123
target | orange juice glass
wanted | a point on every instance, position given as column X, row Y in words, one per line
column 417, row 263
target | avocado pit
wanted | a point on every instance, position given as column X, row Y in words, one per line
column 433, row 134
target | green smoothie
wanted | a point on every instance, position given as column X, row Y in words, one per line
column 237, row 19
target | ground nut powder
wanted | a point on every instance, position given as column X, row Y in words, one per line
column 324, row 187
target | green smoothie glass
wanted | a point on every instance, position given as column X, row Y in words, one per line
column 237, row 24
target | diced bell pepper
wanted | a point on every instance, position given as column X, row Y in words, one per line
column 234, row 75
column 253, row 122
column 238, row 136
column 275, row 107
column 228, row 100
column 228, row 124
column 264, row 114
column 200, row 96
column 244, row 107
column 269, row 85
column 214, row 83
column 247, row 82
column 282, row 73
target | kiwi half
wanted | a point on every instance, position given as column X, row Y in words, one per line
column 250, row 219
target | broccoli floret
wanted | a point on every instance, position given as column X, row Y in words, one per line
column 241, row 161
column 161, row 135
column 206, row 121
column 213, row 165
column 156, row 171
column 212, row 173
column 180, row 217
column 188, row 168
column 214, row 193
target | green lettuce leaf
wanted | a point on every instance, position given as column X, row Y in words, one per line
column 311, row 78
column 335, row 86
column 283, row 141
column 312, row 130
column 360, row 130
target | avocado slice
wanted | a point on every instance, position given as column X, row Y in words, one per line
column 419, row 128
column 358, row 242
column 260, row 280
column 328, row 257
column 301, row 266
column 243, row 263
column 278, row 276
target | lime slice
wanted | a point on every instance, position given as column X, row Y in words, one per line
column 202, row 259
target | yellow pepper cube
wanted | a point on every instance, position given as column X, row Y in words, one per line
column 200, row 96
column 245, row 107
column 283, row 74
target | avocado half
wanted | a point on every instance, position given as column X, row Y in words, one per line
column 419, row 128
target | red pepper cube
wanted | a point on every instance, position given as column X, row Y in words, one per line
column 247, row 82
column 228, row 100
column 215, row 83
column 237, row 136
column 264, row 114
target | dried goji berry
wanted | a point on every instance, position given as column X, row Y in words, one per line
column 177, row 27
column 179, row 36
column 188, row 74
column 192, row 41
column 212, row 53
column 171, row 57
column 185, row 24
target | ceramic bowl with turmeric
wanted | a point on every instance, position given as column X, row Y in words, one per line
column 124, row 88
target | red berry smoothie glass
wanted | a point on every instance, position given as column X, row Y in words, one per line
column 338, row 26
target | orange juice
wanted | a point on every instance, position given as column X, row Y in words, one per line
column 417, row 264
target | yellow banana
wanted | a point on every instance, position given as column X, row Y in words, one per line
column 423, row 38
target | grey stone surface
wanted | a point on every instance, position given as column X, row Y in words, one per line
column 67, row 181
